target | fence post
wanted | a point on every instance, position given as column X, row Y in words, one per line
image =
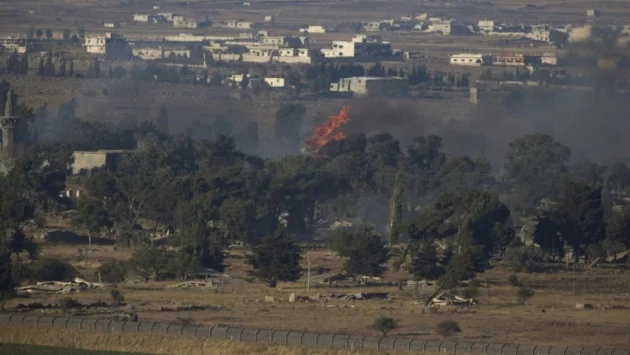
column 332, row 342
column 65, row 324
column 534, row 350
column 516, row 350
column 378, row 343
column 597, row 351
column 487, row 346
column 123, row 326
column 240, row 335
column 362, row 340
column 455, row 347
column 502, row 346
column 38, row 318
column 302, row 339
column 197, row 327
column 424, row 345
column 317, row 339
column 256, row 335
column 11, row 316
column 166, row 330
column 225, row 334
column 138, row 327
column 80, row 323
column 470, row 347
column 565, row 350
column 108, row 324
column 440, row 346
column 22, row 320
column 211, row 330
column 271, row 336
column 151, row 330
column 394, row 344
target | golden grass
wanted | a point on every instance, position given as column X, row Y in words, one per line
column 155, row 344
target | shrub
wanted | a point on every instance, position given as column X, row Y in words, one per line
column 68, row 303
column 113, row 271
column 117, row 297
column 385, row 324
column 514, row 280
column 471, row 291
column 52, row 270
column 523, row 294
column 448, row 327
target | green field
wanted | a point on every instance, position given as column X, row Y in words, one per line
column 19, row 349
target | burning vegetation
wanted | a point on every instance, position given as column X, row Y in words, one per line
column 328, row 131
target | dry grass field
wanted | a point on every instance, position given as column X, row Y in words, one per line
column 550, row 317
column 139, row 343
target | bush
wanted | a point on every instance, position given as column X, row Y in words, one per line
column 385, row 325
column 117, row 297
column 523, row 294
column 471, row 291
column 68, row 303
column 113, row 271
column 523, row 259
column 448, row 327
column 52, row 270
column 514, row 280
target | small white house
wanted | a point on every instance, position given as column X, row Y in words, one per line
column 313, row 29
column 471, row 59
column 111, row 24
column 270, row 19
column 141, row 17
column 96, row 44
column 275, row 82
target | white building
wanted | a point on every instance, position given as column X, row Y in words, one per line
column 168, row 16
column 110, row 25
column 275, row 82
column 141, row 17
column 240, row 24
column 340, row 49
column 486, row 25
column 313, row 29
column 270, row 19
column 443, row 28
column 549, row 59
column 96, row 44
column 148, row 53
column 364, row 85
column 540, row 35
column 470, row 59
column 181, row 22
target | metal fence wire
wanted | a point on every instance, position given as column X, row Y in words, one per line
column 305, row 339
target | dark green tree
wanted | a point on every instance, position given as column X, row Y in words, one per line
column 49, row 34
column 239, row 217
column 92, row 215
column 7, row 284
column 39, row 33
column 276, row 258
column 364, row 248
column 149, row 261
column 425, row 263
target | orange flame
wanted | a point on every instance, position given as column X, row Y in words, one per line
column 327, row 131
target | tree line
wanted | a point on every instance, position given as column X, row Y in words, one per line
column 452, row 214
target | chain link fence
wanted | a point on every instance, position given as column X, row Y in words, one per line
column 306, row 339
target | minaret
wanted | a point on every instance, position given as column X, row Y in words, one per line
column 8, row 124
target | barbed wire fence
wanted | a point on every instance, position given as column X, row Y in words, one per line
column 298, row 338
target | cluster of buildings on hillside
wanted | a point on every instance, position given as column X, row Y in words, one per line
column 258, row 47
column 450, row 26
